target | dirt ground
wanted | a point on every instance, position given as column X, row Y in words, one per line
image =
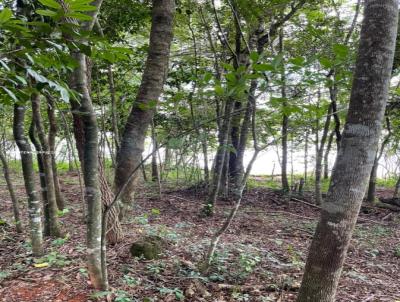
column 260, row 258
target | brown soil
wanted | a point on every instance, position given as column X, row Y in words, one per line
column 260, row 258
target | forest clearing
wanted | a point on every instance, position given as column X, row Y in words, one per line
column 249, row 267
column 199, row 150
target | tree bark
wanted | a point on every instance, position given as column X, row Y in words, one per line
column 54, row 227
column 86, row 136
column 10, row 187
column 35, row 219
column 42, row 178
column 326, row 156
column 319, row 157
column 285, row 124
column 52, row 145
column 132, row 143
column 355, row 158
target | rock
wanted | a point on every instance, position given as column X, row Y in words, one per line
column 149, row 247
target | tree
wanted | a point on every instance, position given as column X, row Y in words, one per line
column 355, row 159
column 130, row 152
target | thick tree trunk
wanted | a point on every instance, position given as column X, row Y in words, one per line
column 355, row 157
column 10, row 187
column 52, row 145
column 35, row 219
column 132, row 143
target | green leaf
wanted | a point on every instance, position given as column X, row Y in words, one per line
column 263, row 67
column 50, row 3
column 219, row 90
column 298, row 61
column 326, row 62
column 46, row 12
column 5, row 15
column 10, row 93
column 340, row 50
column 79, row 16
column 254, row 56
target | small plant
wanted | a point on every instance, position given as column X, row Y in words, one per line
column 60, row 241
column 52, row 259
column 3, row 275
column 397, row 251
column 238, row 296
column 175, row 291
column 62, row 213
column 130, row 281
column 247, row 263
column 156, row 268
column 83, row 272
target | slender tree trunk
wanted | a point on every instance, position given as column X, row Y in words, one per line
column 55, row 229
column 244, row 133
column 372, row 180
column 396, row 193
column 52, row 145
column 306, row 157
column 208, row 208
column 86, row 136
column 35, row 219
column 319, row 156
column 285, row 125
column 42, row 178
column 355, row 157
column 132, row 143
column 10, row 187
column 326, row 156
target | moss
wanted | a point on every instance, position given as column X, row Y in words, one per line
column 149, row 247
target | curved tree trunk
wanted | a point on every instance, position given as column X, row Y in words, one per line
column 35, row 218
column 132, row 143
column 355, row 157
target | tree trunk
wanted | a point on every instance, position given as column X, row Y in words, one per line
column 86, row 136
column 326, row 156
column 55, row 229
column 372, row 179
column 285, row 125
column 306, row 157
column 319, row 157
column 35, row 219
column 132, row 143
column 10, row 187
column 208, row 208
column 42, row 178
column 355, row 157
column 52, row 145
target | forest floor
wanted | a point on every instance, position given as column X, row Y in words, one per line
column 260, row 258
